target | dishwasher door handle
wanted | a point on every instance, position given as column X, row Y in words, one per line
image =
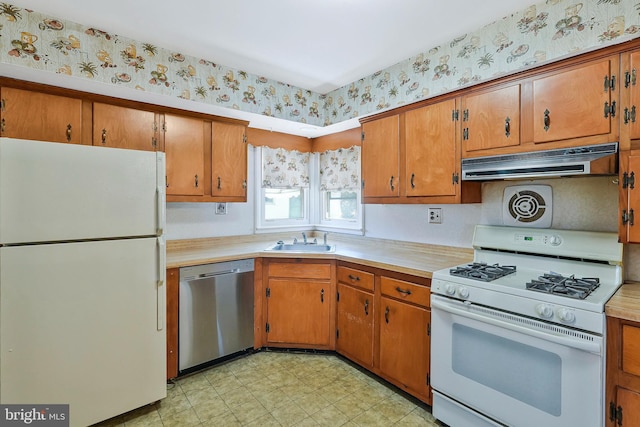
column 217, row 273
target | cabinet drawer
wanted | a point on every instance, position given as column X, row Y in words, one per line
column 405, row 291
column 358, row 278
column 631, row 349
column 300, row 270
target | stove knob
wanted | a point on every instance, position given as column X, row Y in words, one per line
column 566, row 316
column 463, row 292
column 450, row 289
column 545, row 311
column 555, row 240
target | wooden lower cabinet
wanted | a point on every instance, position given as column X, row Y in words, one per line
column 356, row 312
column 623, row 373
column 404, row 346
column 383, row 324
column 299, row 303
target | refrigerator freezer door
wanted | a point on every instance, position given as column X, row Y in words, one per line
column 61, row 192
column 79, row 326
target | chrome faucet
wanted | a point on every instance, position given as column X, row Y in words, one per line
column 325, row 238
column 304, row 237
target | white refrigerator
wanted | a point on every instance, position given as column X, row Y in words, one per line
column 82, row 278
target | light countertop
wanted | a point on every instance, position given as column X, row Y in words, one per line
column 412, row 258
column 625, row 303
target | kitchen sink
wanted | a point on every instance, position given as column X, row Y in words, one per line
column 301, row 247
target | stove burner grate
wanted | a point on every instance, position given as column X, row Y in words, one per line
column 482, row 271
column 557, row 284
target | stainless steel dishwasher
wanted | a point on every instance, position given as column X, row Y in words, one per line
column 216, row 312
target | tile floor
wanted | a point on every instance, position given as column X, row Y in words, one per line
column 273, row 388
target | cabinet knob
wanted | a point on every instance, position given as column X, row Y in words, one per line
column 547, row 119
column 507, row 127
column 104, row 136
column 68, row 132
column 386, row 315
column 244, row 184
column 196, row 181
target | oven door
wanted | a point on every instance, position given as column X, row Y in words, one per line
column 512, row 369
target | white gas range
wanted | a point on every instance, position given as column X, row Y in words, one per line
column 518, row 337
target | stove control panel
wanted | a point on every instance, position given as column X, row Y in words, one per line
column 539, row 239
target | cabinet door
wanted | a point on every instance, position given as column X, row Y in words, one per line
column 404, row 344
column 571, row 104
column 430, row 134
column 629, row 402
column 491, row 119
column 41, row 117
column 355, row 324
column 632, row 112
column 630, row 193
column 298, row 311
column 184, row 146
column 381, row 157
column 228, row 161
column 122, row 127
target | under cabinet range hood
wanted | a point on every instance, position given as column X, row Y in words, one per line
column 598, row 159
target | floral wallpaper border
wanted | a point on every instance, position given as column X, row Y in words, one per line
column 541, row 33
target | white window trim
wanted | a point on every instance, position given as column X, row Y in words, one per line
column 313, row 214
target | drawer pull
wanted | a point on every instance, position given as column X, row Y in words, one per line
column 402, row 291
column 366, row 307
column 322, row 296
column 68, row 132
column 386, row 315
column 355, row 278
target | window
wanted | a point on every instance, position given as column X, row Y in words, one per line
column 283, row 204
column 306, row 190
column 341, row 205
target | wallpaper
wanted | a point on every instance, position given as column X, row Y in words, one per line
column 543, row 32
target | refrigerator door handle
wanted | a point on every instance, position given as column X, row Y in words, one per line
column 161, row 191
column 161, row 291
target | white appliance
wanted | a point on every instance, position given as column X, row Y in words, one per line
column 518, row 337
column 82, row 278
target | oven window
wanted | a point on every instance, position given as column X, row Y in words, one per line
column 523, row 372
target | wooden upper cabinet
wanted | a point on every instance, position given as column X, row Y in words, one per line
column 629, row 197
column 431, row 157
column 491, row 119
column 40, row 116
column 577, row 102
column 229, row 161
column 122, row 127
column 381, row 157
column 630, row 100
column 184, row 142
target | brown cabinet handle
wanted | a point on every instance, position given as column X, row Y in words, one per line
column 507, row 127
column 547, row 120
column 402, row 291
column 196, row 181
column 386, row 315
column 366, row 307
column 322, row 296
column 68, row 133
column 219, row 184
column 391, row 183
column 104, row 136
column 355, row 278
column 413, row 175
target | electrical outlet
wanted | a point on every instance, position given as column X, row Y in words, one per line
column 435, row 215
column 221, row 208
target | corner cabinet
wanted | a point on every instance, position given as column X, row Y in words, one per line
column 623, row 373
column 26, row 114
column 299, row 303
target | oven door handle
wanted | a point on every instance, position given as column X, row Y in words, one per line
column 449, row 307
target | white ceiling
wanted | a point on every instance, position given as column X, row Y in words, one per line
column 320, row 46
